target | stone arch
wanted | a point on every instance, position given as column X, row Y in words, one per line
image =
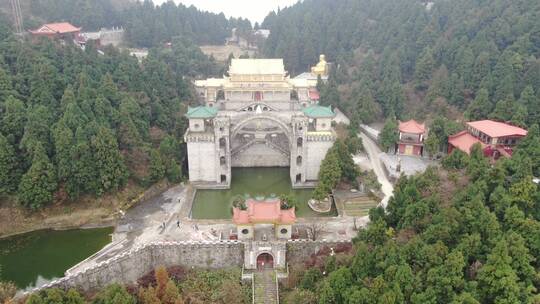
column 265, row 260
column 286, row 129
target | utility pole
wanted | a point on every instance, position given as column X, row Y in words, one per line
column 17, row 16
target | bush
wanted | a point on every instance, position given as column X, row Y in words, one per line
column 456, row 160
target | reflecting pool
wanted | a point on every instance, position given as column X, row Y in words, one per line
column 251, row 182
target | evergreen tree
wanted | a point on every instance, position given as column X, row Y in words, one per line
column 110, row 168
column 10, row 171
column 424, row 69
column 497, row 280
column 39, row 182
column 389, row 134
column 157, row 168
column 480, row 107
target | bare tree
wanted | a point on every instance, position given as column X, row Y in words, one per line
column 314, row 230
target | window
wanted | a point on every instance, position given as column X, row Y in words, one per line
column 223, row 178
column 222, row 160
column 299, row 160
column 298, row 178
column 283, row 231
column 300, row 140
column 323, row 125
column 245, row 231
column 196, row 126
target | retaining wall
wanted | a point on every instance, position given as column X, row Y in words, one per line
column 298, row 251
column 131, row 265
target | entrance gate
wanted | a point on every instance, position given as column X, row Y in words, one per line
column 265, row 261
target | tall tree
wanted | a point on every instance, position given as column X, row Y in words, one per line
column 39, row 183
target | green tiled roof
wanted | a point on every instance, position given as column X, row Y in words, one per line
column 319, row 111
column 201, row 112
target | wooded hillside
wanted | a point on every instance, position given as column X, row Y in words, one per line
column 403, row 58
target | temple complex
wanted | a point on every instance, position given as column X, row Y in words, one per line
column 258, row 116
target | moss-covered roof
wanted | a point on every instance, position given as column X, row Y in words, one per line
column 201, row 112
column 317, row 111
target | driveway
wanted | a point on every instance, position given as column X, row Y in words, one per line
column 373, row 153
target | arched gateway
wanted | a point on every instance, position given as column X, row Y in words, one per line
column 256, row 123
column 264, row 227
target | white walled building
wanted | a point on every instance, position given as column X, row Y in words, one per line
column 257, row 117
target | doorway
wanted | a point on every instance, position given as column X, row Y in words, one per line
column 265, row 261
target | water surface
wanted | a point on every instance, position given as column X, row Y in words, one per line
column 251, row 182
column 33, row 258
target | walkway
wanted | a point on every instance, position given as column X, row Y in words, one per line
column 373, row 152
column 264, row 287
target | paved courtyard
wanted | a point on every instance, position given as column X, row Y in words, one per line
column 410, row 165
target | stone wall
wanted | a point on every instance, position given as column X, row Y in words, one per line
column 315, row 153
column 131, row 265
column 201, row 161
column 298, row 251
column 259, row 155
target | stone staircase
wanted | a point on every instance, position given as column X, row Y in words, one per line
column 278, row 147
column 264, row 287
column 242, row 147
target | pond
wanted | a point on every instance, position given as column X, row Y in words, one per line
column 251, row 182
column 33, row 258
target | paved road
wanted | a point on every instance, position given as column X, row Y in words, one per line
column 373, row 152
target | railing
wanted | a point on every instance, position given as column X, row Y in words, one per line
column 242, row 147
column 277, row 147
column 277, row 286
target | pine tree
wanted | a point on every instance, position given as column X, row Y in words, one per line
column 531, row 103
column 424, row 69
column 13, row 120
column 497, row 280
column 157, row 168
column 389, row 134
column 110, row 168
column 39, row 182
column 480, row 107
column 10, row 171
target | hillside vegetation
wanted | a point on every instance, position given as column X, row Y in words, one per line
column 403, row 58
column 76, row 122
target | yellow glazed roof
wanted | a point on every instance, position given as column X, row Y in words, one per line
column 257, row 67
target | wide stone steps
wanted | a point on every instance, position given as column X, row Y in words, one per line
column 242, row 147
column 278, row 147
column 265, row 289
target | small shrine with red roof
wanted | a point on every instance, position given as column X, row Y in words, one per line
column 496, row 138
column 411, row 138
column 265, row 211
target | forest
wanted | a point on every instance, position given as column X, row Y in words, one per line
column 77, row 122
column 146, row 24
column 407, row 59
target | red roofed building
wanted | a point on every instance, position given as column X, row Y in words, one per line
column 497, row 138
column 264, row 212
column 411, row 138
column 61, row 30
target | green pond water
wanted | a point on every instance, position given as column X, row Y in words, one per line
column 251, row 182
column 33, row 258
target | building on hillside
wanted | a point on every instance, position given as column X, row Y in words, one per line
column 411, row 138
column 257, row 117
column 496, row 138
column 62, row 30
column 106, row 36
